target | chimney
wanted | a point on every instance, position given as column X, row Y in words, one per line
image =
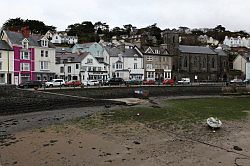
column 25, row 31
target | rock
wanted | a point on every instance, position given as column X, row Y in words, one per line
column 237, row 148
column 136, row 142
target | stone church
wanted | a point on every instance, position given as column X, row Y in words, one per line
column 198, row 63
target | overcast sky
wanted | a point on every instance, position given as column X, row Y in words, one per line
column 233, row 14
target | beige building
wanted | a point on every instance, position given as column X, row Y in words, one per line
column 157, row 63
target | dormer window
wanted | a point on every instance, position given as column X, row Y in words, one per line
column 25, row 43
column 135, row 57
column 44, row 43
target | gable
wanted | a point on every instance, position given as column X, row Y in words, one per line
column 149, row 50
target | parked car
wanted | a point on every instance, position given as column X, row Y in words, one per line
column 55, row 82
column 91, row 83
column 31, row 84
column 148, row 82
column 184, row 81
column 168, row 81
column 73, row 83
column 115, row 81
column 246, row 81
column 236, row 81
column 134, row 82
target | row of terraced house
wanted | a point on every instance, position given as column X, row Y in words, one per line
column 33, row 57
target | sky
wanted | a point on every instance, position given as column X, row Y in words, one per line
column 232, row 14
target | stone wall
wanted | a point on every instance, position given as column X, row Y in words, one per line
column 14, row 101
column 127, row 92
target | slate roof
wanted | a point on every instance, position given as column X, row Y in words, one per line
column 196, row 50
column 77, row 58
column 63, row 49
column 220, row 52
column 5, row 46
column 131, row 53
column 128, row 52
column 85, row 45
column 113, row 51
column 17, row 38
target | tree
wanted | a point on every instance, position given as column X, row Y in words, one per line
column 85, row 32
column 220, row 28
column 183, row 29
column 101, row 28
column 14, row 24
column 128, row 29
column 35, row 26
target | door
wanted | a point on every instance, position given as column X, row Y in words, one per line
column 9, row 81
column 16, row 80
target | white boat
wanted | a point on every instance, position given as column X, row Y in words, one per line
column 214, row 122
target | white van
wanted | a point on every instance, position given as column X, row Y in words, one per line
column 184, row 81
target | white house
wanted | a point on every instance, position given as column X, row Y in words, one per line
column 56, row 39
column 239, row 63
column 83, row 67
column 6, row 63
column 237, row 42
column 124, row 62
column 45, row 60
column 61, row 37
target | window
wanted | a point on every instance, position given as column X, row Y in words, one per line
column 61, row 69
column 94, row 68
column 77, row 66
column 185, row 62
column 46, row 53
column 118, row 65
column 69, row 69
column 213, row 63
column 44, row 65
column 149, row 58
column 204, row 63
column 25, row 44
column 0, row 55
column 113, row 65
column 44, row 43
column 25, row 77
column 89, row 60
column 99, row 69
column 195, row 61
column 42, row 53
column 135, row 65
column 150, row 74
column 149, row 66
column 1, row 65
column 25, row 55
column 135, row 57
column 25, row 67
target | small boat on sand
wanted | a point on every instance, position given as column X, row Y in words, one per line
column 214, row 122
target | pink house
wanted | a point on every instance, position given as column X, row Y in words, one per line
column 23, row 45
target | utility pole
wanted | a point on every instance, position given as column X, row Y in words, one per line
column 8, row 72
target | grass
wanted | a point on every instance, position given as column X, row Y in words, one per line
column 183, row 112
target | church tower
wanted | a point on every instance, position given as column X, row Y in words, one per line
column 171, row 43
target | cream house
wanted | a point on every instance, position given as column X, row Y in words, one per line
column 6, row 63
column 45, row 60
